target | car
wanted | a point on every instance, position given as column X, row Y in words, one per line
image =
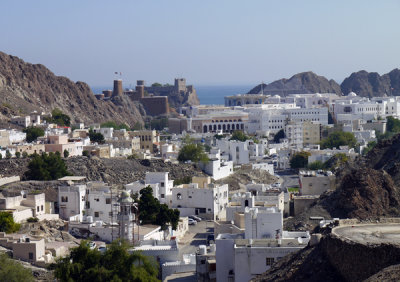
column 102, row 249
column 195, row 217
column 92, row 245
column 210, row 238
column 192, row 221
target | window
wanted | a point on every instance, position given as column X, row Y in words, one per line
column 96, row 214
column 108, row 201
column 83, row 198
column 41, row 207
column 88, row 205
column 64, row 199
column 30, row 255
column 162, row 196
column 269, row 261
column 162, row 184
column 110, row 213
column 38, row 208
column 179, row 196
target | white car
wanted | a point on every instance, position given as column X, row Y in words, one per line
column 192, row 221
column 194, row 217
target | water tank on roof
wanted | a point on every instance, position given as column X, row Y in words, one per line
column 89, row 219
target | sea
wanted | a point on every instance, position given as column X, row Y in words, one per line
column 208, row 94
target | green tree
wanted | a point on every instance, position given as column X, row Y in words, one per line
column 279, row 135
column 96, row 137
column 316, row 165
column 46, row 167
column 32, row 133
column 299, row 160
column 8, row 154
column 7, row 223
column 393, row 125
column 113, row 124
column 115, row 264
column 156, row 84
column 192, row 152
column 152, row 212
column 12, row 271
column 339, row 138
column 239, row 135
column 24, row 154
column 17, row 155
column 59, row 118
column 66, row 153
column 85, row 153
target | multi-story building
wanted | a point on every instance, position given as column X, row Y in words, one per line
column 149, row 139
column 209, row 202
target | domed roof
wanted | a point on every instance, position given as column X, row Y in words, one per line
column 352, row 94
column 125, row 197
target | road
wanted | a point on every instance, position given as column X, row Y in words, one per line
column 196, row 236
column 289, row 178
column 370, row 233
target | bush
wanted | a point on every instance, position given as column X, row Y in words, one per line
column 192, row 152
column 115, row 264
column 113, row 124
column 96, row 137
column 59, row 118
column 184, row 180
column 12, row 271
column 339, row 138
column 32, row 133
column 316, row 165
column 24, row 154
column 8, row 154
column 32, row 219
column 85, row 153
column 17, row 155
column 46, row 167
column 66, row 153
column 299, row 160
column 7, row 223
column 239, row 135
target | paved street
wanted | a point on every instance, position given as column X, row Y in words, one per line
column 289, row 178
column 196, row 236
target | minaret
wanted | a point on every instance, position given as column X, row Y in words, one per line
column 126, row 217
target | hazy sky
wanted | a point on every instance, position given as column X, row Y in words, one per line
column 207, row 42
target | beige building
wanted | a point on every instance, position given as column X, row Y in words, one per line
column 311, row 133
column 227, row 121
column 29, row 148
column 315, row 183
column 101, row 151
column 4, row 138
column 149, row 139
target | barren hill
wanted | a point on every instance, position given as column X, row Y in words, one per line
column 26, row 87
column 305, row 82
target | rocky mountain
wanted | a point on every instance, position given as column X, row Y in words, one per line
column 371, row 84
column 305, row 82
column 26, row 87
column 363, row 83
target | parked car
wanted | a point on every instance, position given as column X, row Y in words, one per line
column 192, row 221
column 102, row 249
column 92, row 245
column 194, row 217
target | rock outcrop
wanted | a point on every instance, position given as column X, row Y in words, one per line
column 305, row 82
column 371, row 84
column 26, row 87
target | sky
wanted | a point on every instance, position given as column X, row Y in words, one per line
column 209, row 42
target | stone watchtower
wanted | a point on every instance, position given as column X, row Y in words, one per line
column 117, row 90
column 126, row 217
column 180, row 85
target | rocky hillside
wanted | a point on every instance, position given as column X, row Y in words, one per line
column 305, row 82
column 26, row 87
column 371, row 84
column 112, row 171
column 367, row 188
column 363, row 83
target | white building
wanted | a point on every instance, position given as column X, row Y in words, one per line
column 241, row 152
column 265, row 242
column 209, row 202
column 71, row 197
column 164, row 183
column 24, row 206
column 100, row 202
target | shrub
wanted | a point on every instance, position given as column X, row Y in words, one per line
column 32, row 133
column 32, row 219
column 85, row 153
column 299, row 160
column 46, row 167
column 7, row 223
